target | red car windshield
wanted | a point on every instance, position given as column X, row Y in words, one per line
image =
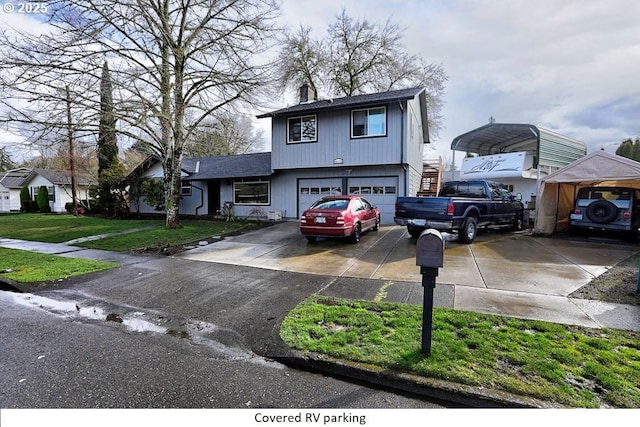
column 331, row 204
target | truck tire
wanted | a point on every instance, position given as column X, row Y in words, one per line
column 414, row 231
column 602, row 211
column 467, row 233
column 518, row 222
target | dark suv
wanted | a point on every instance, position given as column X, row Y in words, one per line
column 607, row 208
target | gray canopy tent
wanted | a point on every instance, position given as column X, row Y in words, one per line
column 558, row 190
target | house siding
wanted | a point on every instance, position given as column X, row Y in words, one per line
column 62, row 193
column 334, row 141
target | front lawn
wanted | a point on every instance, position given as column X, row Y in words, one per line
column 159, row 238
column 29, row 267
column 53, row 228
column 573, row 366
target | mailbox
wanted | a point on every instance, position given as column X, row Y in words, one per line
column 430, row 249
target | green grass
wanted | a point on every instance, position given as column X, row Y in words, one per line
column 51, row 228
column 190, row 231
column 29, row 267
column 572, row 366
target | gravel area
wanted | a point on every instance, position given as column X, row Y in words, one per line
column 618, row 285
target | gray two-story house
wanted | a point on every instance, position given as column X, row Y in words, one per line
column 367, row 144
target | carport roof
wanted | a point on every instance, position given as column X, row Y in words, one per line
column 498, row 138
column 549, row 148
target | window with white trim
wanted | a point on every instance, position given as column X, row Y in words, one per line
column 185, row 189
column 252, row 191
column 302, row 129
column 369, row 122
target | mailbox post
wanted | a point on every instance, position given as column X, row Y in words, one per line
column 430, row 257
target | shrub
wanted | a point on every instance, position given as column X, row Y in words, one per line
column 25, row 200
column 43, row 199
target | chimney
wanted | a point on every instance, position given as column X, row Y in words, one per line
column 306, row 94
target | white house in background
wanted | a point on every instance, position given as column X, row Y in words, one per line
column 58, row 184
column 367, row 144
column 10, row 187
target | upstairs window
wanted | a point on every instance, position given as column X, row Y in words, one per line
column 302, row 129
column 369, row 122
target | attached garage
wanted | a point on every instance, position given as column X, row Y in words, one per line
column 558, row 190
column 310, row 190
column 381, row 191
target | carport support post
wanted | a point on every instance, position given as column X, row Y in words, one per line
column 428, row 283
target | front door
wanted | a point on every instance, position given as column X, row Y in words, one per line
column 214, row 197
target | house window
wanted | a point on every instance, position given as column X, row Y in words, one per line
column 50, row 190
column 302, row 129
column 369, row 122
column 185, row 189
column 251, row 191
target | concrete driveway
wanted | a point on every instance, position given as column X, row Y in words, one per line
column 496, row 260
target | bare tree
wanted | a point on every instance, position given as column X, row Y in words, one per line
column 174, row 64
column 226, row 134
column 301, row 60
column 357, row 57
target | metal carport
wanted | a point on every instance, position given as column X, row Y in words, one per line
column 550, row 150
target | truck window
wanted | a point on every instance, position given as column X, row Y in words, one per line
column 477, row 190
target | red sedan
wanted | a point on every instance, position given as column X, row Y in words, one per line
column 339, row 216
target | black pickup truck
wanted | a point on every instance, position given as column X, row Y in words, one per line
column 461, row 207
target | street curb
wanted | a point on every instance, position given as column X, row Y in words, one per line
column 463, row 395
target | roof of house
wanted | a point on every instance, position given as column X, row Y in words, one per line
column 59, row 177
column 227, row 167
column 348, row 102
column 14, row 178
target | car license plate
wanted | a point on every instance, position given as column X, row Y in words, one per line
column 418, row 222
column 577, row 217
column 321, row 220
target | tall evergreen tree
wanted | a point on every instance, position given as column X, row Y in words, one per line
column 110, row 171
column 107, row 141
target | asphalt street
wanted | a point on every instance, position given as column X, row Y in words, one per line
column 63, row 353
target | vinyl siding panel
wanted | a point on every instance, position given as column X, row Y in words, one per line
column 334, row 141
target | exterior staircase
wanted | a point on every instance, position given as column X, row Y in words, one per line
column 431, row 178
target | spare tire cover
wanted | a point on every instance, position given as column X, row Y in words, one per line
column 602, row 211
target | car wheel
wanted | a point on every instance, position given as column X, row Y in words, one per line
column 311, row 239
column 355, row 236
column 376, row 227
column 467, row 233
column 602, row 211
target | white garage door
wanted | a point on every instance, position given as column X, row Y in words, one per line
column 380, row 191
column 310, row 190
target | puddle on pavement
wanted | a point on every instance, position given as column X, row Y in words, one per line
column 228, row 344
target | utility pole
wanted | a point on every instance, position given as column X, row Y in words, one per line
column 71, row 155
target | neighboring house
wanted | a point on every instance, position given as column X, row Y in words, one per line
column 10, row 187
column 366, row 144
column 58, row 184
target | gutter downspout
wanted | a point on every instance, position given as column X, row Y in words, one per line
column 402, row 147
column 201, row 198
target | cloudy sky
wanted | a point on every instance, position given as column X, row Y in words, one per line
column 566, row 65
